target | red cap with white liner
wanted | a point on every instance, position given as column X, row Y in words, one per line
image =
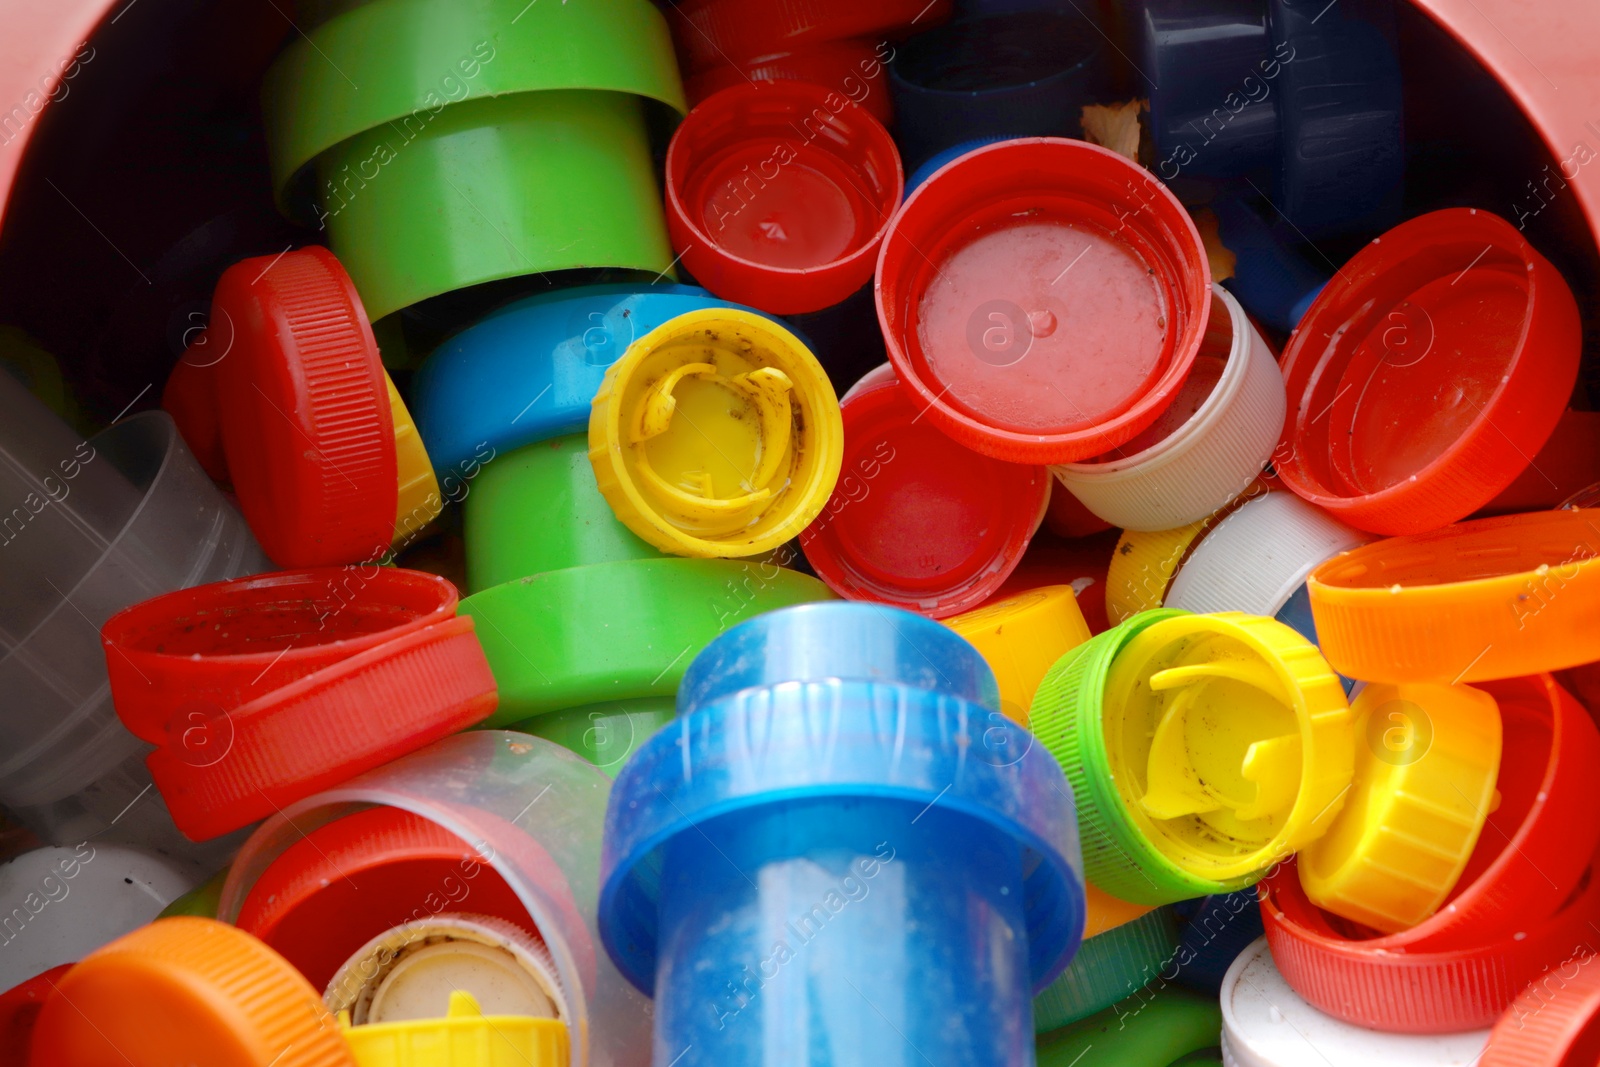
column 1043, row 298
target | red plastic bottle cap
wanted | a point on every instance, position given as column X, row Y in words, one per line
column 350, row 880
column 1428, row 373
column 711, row 33
column 227, row 771
column 19, row 1008
column 1420, row 991
column 1534, row 847
column 1555, row 1022
column 1043, row 298
column 304, row 410
column 916, row 520
column 1568, row 463
column 857, row 67
column 190, row 397
column 180, row 660
column 779, row 194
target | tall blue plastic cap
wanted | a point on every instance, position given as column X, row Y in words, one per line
column 838, row 641
column 529, row 371
column 850, row 869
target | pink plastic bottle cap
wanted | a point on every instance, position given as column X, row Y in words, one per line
column 1428, row 373
column 1044, row 298
column 917, row 520
column 779, row 193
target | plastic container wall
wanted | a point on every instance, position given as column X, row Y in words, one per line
column 536, row 811
column 120, row 518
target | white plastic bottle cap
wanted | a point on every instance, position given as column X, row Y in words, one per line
column 409, row 972
column 1187, row 471
column 1254, row 559
column 1266, row 1024
column 57, row 905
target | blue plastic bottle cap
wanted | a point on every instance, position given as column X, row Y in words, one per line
column 1304, row 92
column 954, row 152
column 842, row 865
column 529, row 371
column 838, row 641
column 1273, row 281
column 1015, row 74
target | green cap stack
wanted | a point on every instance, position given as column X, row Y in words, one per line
column 447, row 143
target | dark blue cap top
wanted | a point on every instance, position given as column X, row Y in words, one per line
column 838, row 640
column 1017, row 74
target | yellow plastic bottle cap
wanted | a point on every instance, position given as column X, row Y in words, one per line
column 1103, row 912
column 1143, row 565
column 419, row 502
column 465, row 1037
column 1021, row 637
column 1427, row 758
column 186, row 990
column 1229, row 739
column 409, row 972
column 716, row 434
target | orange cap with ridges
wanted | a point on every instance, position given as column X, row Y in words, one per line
column 187, row 990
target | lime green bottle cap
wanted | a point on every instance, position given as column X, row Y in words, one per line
column 1153, row 1028
column 1201, row 749
column 494, row 188
column 406, row 62
column 613, row 632
column 537, row 509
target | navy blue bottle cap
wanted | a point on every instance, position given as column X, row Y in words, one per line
column 1017, row 74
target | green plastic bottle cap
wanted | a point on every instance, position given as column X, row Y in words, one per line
column 407, row 61
column 538, row 509
column 613, row 632
column 1152, row 1028
column 604, row 734
column 443, row 144
column 494, row 188
column 1107, row 968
